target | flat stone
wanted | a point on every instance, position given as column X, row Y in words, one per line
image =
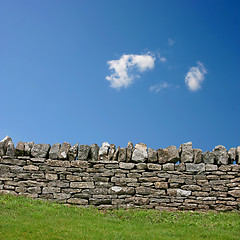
column 126, row 165
column 197, row 155
column 162, row 155
column 152, row 155
column 53, row 153
column 154, row 167
column 82, row 185
column 187, row 152
column 27, row 148
column 161, row 185
column 129, row 151
column 208, row 157
column 83, row 152
column 40, row 150
column 73, row 152
column 117, row 189
column 183, row 193
column 172, row 153
column 31, row 168
column 168, row 167
column 235, row 193
column 63, row 152
column 94, row 150
column 192, row 167
column 211, row 167
column 122, row 155
column 221, row 154
column 19, row 150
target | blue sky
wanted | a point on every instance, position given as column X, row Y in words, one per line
column 55, row 59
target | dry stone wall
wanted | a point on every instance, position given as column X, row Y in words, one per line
column 131, row 177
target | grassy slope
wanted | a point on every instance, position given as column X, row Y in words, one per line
column 22, row 218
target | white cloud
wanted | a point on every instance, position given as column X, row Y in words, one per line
column 171, row 42
column 124, row 69
column 157, row 88
column 163, row 59
column 195, row 77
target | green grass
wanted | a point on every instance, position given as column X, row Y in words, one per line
column 23, row 218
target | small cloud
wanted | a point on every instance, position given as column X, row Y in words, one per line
column 157, row 88
column 163, row 59
column 195, row 77
column 171, row 42
column 124, row 68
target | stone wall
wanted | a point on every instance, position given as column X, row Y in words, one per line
column 132, row 177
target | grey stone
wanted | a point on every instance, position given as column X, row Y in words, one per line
column 117, row 189
column 141, row 166
column 183, row 193
column 94, row 149
column 208, row 157
column 154, row 167
column 232, row 153
column 63, row 152
column 140, row 153
column 10, row 149
column 103, row 151
column 173, row 156
column 197, row 155
column 162, row 155
column 126, row 165
column 115, row 156
column 53, row 153
column 152, row 155
column 168, row 167
column 82, row 185
column 122, row 155
column 4, row 144
column 187, row 152
column 192, row 167
column 83, row 152
column 19, row 150
column 238, row 155
column 235, row 193
column 221, row 154
column 73, row 152
column 40, row 150
column 129, row 151
column 111, row 152
column 28, row 147
column 211, row 167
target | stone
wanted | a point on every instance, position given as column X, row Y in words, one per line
column 152, row 155
column 83, row 152
column 19, row 150
column 79, row 201
column 129, row 151
column 208, row 157
column 73, row 152
column 128, row 166
column 10, row 149
column 117, row 189
column 63, row 152
column 187, row 152
column 111, row 152
column 172, row 153
column 40, row 150
column 197, row 155
column 27, row 148
column 221, row 155
column 141, row 166
column 4, row 144
column 31, row 168
column 238, row 155
column 103, row 151
column 234, row 193
column 94, row 150
column 211, row 167
column 168, row 167
column 232, row 153
column 161, row 185
column 183, row 193
column 192, row 167
column 162, row 155
column 53, row 153
column 122, row 155
column 115, row 156
column 140, row 153
column 154, row 167
column 82, row 185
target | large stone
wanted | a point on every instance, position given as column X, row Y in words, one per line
column 94, row 149
column 129, row 151
column 103, row 151
column 111, row 152
column 10, row 149
column 162, row 155
column 28, row 147
column 208, row 157
column 197, row 156
column 232, row 153
column 19, row 150
column 221, row 154
column 4, row 145
column 140, row 153
column 173, row 156
column 40, row 150
column 73, row 152
column 83, row 152
column 238, row 155
column 235, row 193
column 152, row 155
column 192, row 167
column 122, row 155
column 53, row 153
column 183, row 193
column 63, row 152
column 115, row 156
column 187, row 152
